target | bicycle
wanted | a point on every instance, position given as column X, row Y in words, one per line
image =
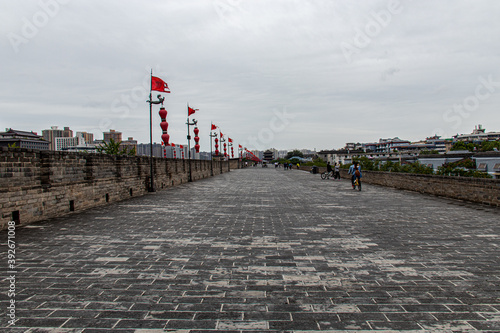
column 327, row 175
column 357, row 184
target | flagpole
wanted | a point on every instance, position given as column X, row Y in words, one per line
column 190, row 179
column 152, row 184
column 211, row 157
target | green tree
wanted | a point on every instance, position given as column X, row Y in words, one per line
column 113, row 148
column 429, row 152
column 460, row 145
column 293, row 153
column 490, row 145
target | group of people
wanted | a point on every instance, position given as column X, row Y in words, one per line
column 354, row 171
column 335, row 170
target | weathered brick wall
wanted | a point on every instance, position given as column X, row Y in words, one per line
column 38, row 185
column 480, row 190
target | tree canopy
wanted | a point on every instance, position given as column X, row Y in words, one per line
column 293, row 153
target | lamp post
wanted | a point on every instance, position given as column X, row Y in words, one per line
column 212, row 135
column 151, row 102
column 190, row 179
column 230, row 144
column 223, row 141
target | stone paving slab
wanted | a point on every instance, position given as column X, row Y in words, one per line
column 261, row 250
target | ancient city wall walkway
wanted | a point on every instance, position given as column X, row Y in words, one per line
column 262, row 249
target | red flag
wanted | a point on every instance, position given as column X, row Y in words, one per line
column 158, row 84
column 230, row 140
column 173, row 144
column 181, row 146
column 221, row 135
column 214, row 127
column 240, row 146
column 191, row 111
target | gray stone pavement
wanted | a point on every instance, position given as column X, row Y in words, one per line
column 261, row 250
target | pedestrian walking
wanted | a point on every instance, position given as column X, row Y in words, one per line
column 337, row 171
column 352, row 168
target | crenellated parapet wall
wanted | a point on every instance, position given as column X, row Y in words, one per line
column 37, row 185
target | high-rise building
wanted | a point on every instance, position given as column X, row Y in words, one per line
column 51, row 134
column 87, row 137
column 112, row 134
column 67, row 133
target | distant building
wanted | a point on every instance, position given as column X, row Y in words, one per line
column 478, row 135
column 67, row 133
column 488, row 162
column 87, row 137
column 54, row 132
column 75, row 144
column 112, row 134
column 63, row 143
column 268, row 155
column 143, row 149
column 129, row 144
column 22, row 139
column 384, row 145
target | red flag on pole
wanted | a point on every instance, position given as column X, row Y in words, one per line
column 240, row 146
column 213, row 127
column 229, row 140
column 221, row 135
column 181, row 146
column 158, row 84
column 191, row 111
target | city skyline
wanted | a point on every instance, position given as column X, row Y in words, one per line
column 270, row 74
column 121, row 134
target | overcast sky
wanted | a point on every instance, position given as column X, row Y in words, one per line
column 276, row 73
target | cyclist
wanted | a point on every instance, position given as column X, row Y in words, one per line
column 329, row 168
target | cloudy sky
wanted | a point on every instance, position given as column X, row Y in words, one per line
column 275, row 73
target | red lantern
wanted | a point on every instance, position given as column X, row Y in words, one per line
column 165, row 137
column 164, row 125
column 163, row 113
column 196, row 139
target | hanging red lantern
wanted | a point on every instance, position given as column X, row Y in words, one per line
column 164, row 125
column 165, row 137
column 196, row 139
